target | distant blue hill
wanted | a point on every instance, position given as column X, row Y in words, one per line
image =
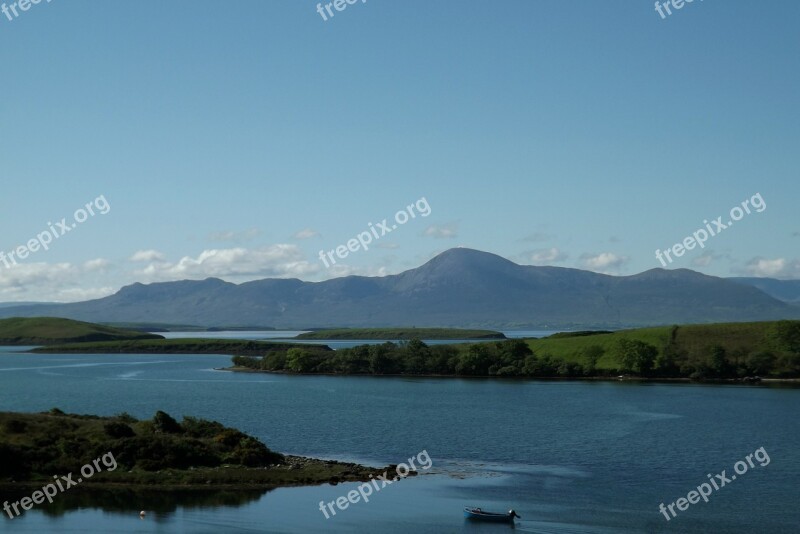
column 785, row 290
column 458, row 288
column 15, row 304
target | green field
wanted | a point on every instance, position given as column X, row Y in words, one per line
column 401, row 333
column 50, row 330
column 572, row 348
column 744, row 346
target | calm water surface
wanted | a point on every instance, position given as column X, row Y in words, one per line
column 570, row 457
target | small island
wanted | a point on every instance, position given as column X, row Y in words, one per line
column 389, row 334
column 160, row 452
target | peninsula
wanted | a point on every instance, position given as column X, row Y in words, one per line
column 159, row 452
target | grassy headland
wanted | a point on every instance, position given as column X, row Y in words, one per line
column 715, row 351
column 159, row 452
column 402, row 333
column 166, row 327
column 51, row 330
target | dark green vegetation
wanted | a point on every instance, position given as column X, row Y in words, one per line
column 402, row 333
column 179, row 346
column 719, row 351
column 459, row 288
column 413, row 358
column 161, row 452
column 50, row 330
column 40, row 445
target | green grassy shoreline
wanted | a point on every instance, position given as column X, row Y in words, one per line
column 53, row 330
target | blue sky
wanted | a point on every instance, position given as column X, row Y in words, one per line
column 237, row 140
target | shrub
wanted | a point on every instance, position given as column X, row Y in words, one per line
column 125, row 417
column 118, row 430
column 636, row 356
column 201, row 428
column 274, row 361
column 15, row 426
column 303, row 361
column 163, row 422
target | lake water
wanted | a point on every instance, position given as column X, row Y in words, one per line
column 569, row 457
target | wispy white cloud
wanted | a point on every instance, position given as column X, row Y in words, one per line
column 773, row 268
column 279, row 261
column 66, row 282
column 545, row 256
column 97, row 265
column 605, row 262
column 707, row 257
column 538, row 237
column 231, row 236
column 79, row 294
column 340, row 270
column 306, row 233
column 442, row 231
column 57, row 282
column 148, row 255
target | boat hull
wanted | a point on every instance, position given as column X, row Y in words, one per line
column 488, row 517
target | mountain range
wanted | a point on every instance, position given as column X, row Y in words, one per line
column 458, row 288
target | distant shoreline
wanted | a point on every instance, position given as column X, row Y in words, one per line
column 728, row 381
column 223, row 347
column 398, row 334
column 710, row 353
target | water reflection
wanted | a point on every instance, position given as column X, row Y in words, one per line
column 162, row 503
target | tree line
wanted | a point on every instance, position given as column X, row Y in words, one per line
column 515, row 358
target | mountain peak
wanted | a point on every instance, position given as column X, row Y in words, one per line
column 468, row 257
